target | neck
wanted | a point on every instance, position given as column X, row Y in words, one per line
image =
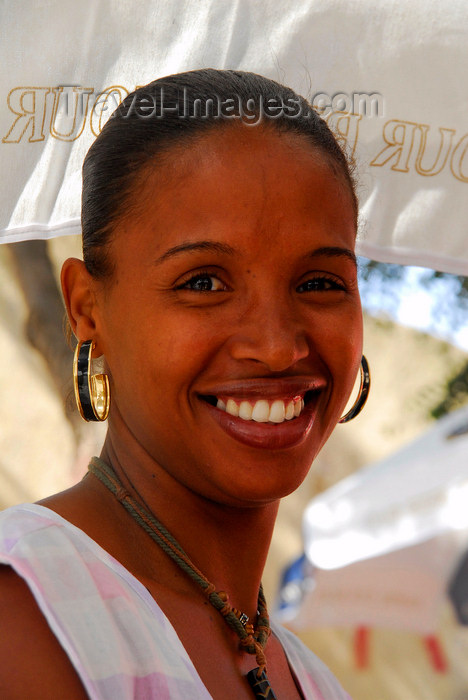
column 227, row 543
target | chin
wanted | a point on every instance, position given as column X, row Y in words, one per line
column 259, row 479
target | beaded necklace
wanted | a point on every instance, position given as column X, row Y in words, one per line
column 252, row 639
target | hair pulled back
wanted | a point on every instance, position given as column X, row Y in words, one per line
column 175, row 111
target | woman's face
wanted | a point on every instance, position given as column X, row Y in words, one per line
column 234, row 291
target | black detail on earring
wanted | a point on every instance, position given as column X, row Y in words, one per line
column 363, row 393
column 83, row 362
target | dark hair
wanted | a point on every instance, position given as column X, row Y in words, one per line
column 175, row 111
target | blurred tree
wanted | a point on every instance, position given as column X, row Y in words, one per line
column 45, row 324
column 383, row 286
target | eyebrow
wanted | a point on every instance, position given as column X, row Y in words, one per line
column 333, row 252
column 210, row 246
column 224, row 248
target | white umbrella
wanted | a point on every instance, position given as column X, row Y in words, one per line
column 389, row 75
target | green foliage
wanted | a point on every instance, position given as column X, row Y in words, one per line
column 382, row 288
column 456, row 394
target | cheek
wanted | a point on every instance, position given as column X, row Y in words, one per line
column 157, row 355
column 349, row 362
column 341, row 350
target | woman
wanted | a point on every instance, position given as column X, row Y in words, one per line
column 219, row 285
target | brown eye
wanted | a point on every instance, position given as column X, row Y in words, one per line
column 320, row 284
column 203, row 283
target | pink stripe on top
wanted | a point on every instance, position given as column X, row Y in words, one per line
column 116, row 636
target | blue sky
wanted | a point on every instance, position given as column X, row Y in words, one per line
column 412, row 302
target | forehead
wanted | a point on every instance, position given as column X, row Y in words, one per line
column 248, row 186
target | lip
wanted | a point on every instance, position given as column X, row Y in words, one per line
column 266, row 435
column 270, row 389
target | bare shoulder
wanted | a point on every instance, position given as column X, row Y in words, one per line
column 32, row 662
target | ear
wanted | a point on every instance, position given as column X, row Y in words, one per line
column 80, row 300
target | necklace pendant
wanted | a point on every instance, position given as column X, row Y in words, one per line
column 260, row 685
column 243, row 619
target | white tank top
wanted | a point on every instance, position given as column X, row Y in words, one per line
column 116, row 636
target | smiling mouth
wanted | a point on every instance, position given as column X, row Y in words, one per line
column 270, row 411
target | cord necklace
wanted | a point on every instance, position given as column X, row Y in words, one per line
column 253, row 638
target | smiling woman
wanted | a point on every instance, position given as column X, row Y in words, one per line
column 219, row 285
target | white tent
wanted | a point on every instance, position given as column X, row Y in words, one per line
column 385, row 542
column 389, row 75
column 383, row 548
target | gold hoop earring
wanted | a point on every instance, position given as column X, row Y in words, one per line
column 363, row 393
column 92, row 391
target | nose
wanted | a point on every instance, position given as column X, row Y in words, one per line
column 271, row 334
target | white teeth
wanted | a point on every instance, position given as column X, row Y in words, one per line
column 298, row 408
column 245, row 410
column 277, row 412
column 261, row 411
column 232, row 407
